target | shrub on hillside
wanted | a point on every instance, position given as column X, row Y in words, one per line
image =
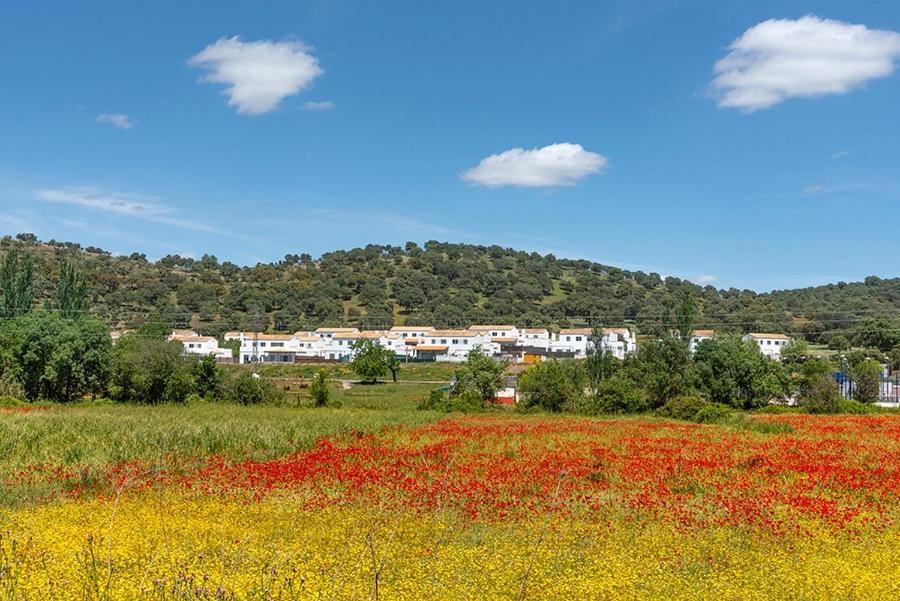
column 318, row 388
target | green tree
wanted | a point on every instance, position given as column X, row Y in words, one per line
column 318, row 388
column 552, row 385
column 839, row 342
column 600, row 363
column 150, row 370
column 480, row 376
column 795, row 352
column 877, row 332
column 16, row 284
column 867, row 378
column 393, row 364
column 663, row 368
column 370, row 360
column 60, row 360
column 732, row 371
column 71, row 293
column 207, row 378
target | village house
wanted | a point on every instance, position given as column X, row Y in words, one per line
column 454, row 345
column 769, row 344
column 698, row 336
column 203, row 346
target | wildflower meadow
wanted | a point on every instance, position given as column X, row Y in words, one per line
column 488, row 506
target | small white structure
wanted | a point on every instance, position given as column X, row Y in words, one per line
column 495, row 331
column 329, row 332
column 203, row 346
column 618, row 341
column 454, row 345
column 698, row 336
column 537, row 338
column 275, row 348
column 770, row 345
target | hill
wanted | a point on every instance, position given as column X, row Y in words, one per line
column 441, row 284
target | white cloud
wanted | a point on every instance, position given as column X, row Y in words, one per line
column 554, row 165
column 259, row 75
column 840, row 154
column 783, row 58
column 325, row 105
column 117, row 120
column 137, row 206
column 813, row 189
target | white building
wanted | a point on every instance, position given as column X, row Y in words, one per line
column 454, row 345
column 203, row 346
column 495, row 331
column 618, row 341
column 275, row 348
column 698, row 336
column 770, row 345
column 329, row 332
column 538, row 338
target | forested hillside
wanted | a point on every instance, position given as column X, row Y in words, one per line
column 437, row 283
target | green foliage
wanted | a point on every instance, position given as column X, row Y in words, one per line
column 600, row 364
column 16, row 284
column 370, row 360
column 839, row 342
column 616, row 394
column 480, row 376
column 438, row 400
column 57, row 359
column 732, row 371
column 247, row 389
column 318, row 388
column 877, row 332
column 71, row 293
column 207, row 378
column 552, row 385
column 867, row 380
column 150, row 370
column 693, row 409
column 820, row 394
column 795, row 352
column 663, row 368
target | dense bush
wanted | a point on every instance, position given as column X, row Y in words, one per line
column 821, row 395
column 318, row 388
column 616, row 394
column 438, row 400
column 732, row 371
column 150, row 370
column 552, row 385
column 693, row 409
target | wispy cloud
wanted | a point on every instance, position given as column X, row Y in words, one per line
column 814, row 189
column 117, row 120
column 16, row 221
column 378, row 220
column 258, row 75
column 840, row 154
column 137, row 206
column 780, row 59
column 562, row 164
column 324, row 105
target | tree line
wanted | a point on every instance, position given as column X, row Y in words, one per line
column 443, row 284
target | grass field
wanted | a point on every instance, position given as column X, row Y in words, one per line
column 374, row 500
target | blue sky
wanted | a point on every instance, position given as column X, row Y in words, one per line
column 601, row 130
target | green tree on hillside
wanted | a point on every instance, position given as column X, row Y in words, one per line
column 71, row 293
column 16, row 284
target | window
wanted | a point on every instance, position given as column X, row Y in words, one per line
column 455, row 341
column 568, row 339
column 578, row 339
column 443, row 341
column 277, row 344
column 769, row 342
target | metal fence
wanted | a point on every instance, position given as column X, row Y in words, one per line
column 888, row 387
